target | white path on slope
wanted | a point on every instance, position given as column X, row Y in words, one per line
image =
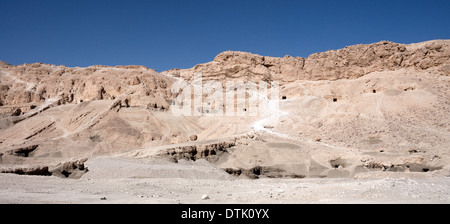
column 273, row 115
column 271, row 109
column 31, row 87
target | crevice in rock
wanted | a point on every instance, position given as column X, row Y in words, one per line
column 36, row 171
column 210, row 152
column 266, row 171
column 39, row 131
column 22, row 151
column 336, row 163
column 411, row 167
column 71, row 169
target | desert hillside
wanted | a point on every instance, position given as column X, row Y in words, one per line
column 366, row 111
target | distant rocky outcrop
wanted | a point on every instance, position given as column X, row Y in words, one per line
column 348, row 63
column 26, row 86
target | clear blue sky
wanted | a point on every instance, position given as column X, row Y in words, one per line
column 180, row 34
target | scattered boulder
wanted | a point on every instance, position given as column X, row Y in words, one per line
column 193, row 138
column 205, row 197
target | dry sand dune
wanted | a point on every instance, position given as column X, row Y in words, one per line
column 362, row 124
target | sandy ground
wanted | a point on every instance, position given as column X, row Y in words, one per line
column 159, row 181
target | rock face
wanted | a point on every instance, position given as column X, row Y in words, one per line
column 347, row 63
column 27, row 85
column 71, row 169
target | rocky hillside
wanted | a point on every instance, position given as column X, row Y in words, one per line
column 25, row 87
column 364, row 108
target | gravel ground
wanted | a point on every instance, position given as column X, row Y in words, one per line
column 189, row 181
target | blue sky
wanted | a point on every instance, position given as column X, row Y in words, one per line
column 180, row 34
